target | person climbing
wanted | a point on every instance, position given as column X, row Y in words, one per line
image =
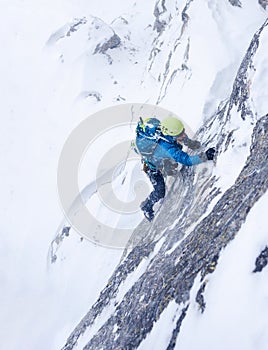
column 160, row 147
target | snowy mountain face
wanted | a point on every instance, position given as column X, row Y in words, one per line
column 194, row 278
column 190, row 234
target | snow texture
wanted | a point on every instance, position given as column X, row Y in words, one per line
column 201, row 267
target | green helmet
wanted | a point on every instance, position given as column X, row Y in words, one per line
column 172, row 126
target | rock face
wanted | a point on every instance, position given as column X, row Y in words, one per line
column 159, row 11
column 239, row 3
column 170, row 277
column 263, row 3
column 235, row 3
column 261, row 261
column 171, row 258
column 113, row 42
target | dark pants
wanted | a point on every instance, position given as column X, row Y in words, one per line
column 159, row 190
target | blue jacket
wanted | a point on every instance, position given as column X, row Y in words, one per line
column 156, row 149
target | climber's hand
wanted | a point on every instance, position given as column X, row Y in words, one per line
column 210, row 153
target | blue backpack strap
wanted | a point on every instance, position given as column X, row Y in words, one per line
column 145, row 142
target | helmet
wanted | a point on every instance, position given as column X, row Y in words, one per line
column 149, row 125
column 172, row 126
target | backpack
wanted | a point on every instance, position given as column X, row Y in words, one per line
column 148, row 135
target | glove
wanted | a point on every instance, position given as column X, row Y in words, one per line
column 210, row 153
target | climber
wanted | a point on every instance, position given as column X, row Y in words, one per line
column 160, row 147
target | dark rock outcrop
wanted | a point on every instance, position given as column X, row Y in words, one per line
column 263, row 3
column 261, row 261
column 113, row 42
column 159, row 9
column 235, row 3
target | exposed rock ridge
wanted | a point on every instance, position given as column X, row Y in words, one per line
column 170, row 49
column 170, row 277
column 238, row 3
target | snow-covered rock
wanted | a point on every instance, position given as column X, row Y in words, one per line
column 191, row 271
